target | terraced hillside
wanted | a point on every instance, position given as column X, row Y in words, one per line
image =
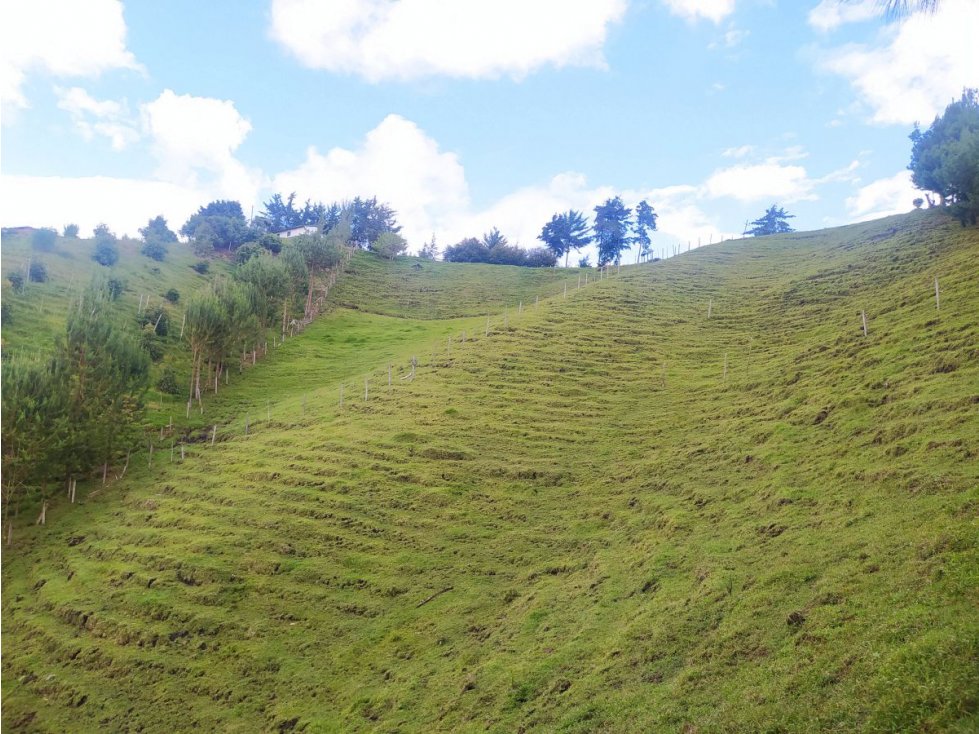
column 692, row 497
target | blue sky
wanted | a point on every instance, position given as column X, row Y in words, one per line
column 472, row 114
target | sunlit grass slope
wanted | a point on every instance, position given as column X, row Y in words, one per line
column 613, row 514
column 415, row 288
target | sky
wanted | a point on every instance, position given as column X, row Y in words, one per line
column 473, row 114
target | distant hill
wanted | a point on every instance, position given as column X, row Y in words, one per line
column 695, row 496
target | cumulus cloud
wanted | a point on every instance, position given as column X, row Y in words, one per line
column 883, row 197
column 62, row 38
column 194, row 141
column 124, row 204
column 918, row 67
column 93, row 117
column 399, row 164
column 712, row 10
column 769, row 180
column 412, row 39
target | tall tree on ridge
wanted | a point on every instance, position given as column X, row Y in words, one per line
column 612, row 222
column 564, row 233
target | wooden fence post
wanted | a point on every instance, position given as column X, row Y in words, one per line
column 710, row 307
column 938, row 303
column 863, row 318
column 365, row 390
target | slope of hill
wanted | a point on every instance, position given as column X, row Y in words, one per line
column 694, row 496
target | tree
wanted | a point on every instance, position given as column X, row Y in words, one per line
column 612, row 222
column 70, row 231
column 774, row 221
column 429, row 251
column 389, row 245
column 564, row 233
column 156, row 236
column 645, row 223
column 584, row 262
column 269, row 280
column 44, row 239
column 106, row 251
column 368, row 219
column 945, row 158
column 540, row 257
column 469, row 250
column 221, row 224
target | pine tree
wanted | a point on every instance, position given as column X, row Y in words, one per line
column 612, row 223
column 774, row 221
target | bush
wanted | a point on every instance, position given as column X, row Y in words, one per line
column 167, row 383
column 5, row 313
column 201, row 266
column 154, row 249
column 106, row 253
column 44, row 239
column 247, row 251
column 389, row 245
column 71, row 231
column 541, row 257
column 115, row 287
column 151, row 343
column 584, row 262
column 271, row 242
column 38, row 273
column 172, row 295
column 158, row 317
column 16, row 282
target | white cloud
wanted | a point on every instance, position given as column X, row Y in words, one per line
column 124, row 204
column 399, row 164
column 92, row 117
column 412, row 39
column 194, row 140
column 713, row 10
column 919, row 67
column 739, row 151
column 882, row 198
column 762, row 181
column 831, row 14
column 63, row 38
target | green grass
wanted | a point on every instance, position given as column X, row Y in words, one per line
column 578, row 523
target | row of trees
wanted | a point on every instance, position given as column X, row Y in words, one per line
column 494, row 248
column 78, row 408
column 614, row 230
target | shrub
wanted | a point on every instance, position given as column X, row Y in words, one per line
column 106, row 253
column 115, row 287
column 541, row 257
column 16, row 282
column 201, row 266
column 584, row 262
column 5, row 313
column 151, row 343
column 44, row 239
column 38, row 273
column 247, row 251
column 389, row 244
column 271, row 242
column 167, row 383
column 71, row 231
column 154, row 249
column 158, row 317
column 172, row 295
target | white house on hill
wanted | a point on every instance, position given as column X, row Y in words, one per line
column 301, row 229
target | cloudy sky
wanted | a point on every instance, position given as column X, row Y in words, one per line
column 472, row 114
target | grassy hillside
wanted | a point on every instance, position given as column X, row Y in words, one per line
column 613, row 513
column 414, row 288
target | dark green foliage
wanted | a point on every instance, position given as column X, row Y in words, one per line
column 566, row 232
column 156, row 236
column 16, row 282
column 279, row 215
column 44, row 239
column 247, row 251
column 469, row 250
column 151, row 343
column 5, row 313
column 389, row 244
column 584, row 262
column 270, row 283
column 154, row 250
column 70, row 231
column 945, row 158
column 775, row 220
column 106, row 249
column 38, row 272
column 172, row 295
column 612, row 222
column 114, row 287
column 645, row 223
column 220, row 225
column 64, row 414
column 271, row 242
column 167, row 383
column 540, row 257
column 201, row 266
column 369, row 219
column 157, row 319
